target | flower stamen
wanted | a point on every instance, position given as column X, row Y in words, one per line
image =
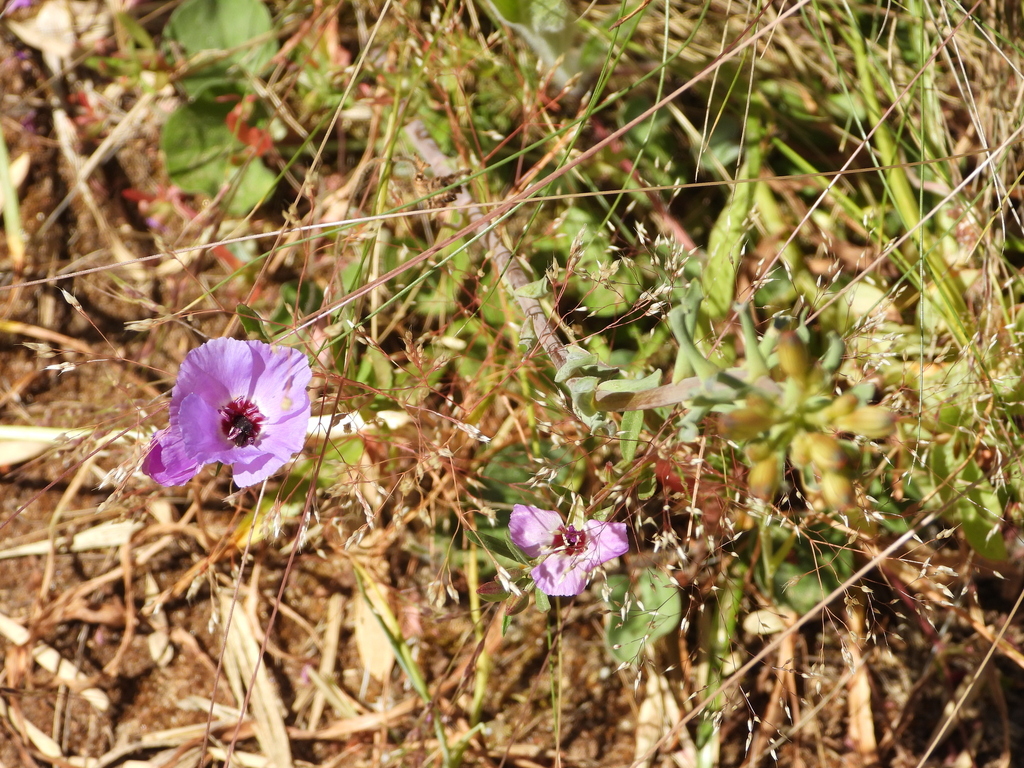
column 569, row 540
column 241, row 421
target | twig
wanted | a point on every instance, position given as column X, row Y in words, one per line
column 511, row 270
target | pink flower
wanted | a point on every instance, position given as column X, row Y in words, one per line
column 569, row 554
column 242, row 403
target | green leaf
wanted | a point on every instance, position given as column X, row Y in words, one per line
column 647, row 487
column 683, row 321
column 615, row 394
column 534, row 290
column 240, row 29
column 136, row 31
column 498, row 544
column 654, row 609
column 727, row 238
column 575, row 358
column 822, row 563
column 508, row 476
column 968, row 499
column 297, row 300
column 581, row 390
column 203, row 155
column 629, row 433
column 631, row 385
column 251, row 322
column 511, row 11
column 756, row 365
column 545, row 26
column 981, row 513
column 542, row 601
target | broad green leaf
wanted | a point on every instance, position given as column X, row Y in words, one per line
column 237, row 33
column 614, row 394
column 817, row 564
column 967, row 499
column 581, row 390
column 136, row 31
column 631, row 385
column 981, row 513
column 508, row 475
column 801, row 587
column 203, row 156
column 545, row 26
column 251, row 322
column 297, row 300
column 654, row 608
column 647, row 487
column 511, row 11
column 575, row 358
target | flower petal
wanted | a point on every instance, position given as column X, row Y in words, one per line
column 605, row 541
column 533, row 530
column 218, row 371
column 280, row 389
column 285, row 437
column 200, row 426
column 246, row 473
column 560, row 575
column 168, row 462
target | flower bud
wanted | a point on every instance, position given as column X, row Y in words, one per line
column 794, row 359
column 758, row 451
column 842, row 405
column 825, row 452
column 517, row 604
column 871, row 421
column 492, row 592
column 746, row 423
column 763, row 479
column 800, row 450
column 837, row 491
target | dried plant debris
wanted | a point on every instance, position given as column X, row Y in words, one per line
column 682, row 428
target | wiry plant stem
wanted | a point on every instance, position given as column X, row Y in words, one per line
column 511, row 270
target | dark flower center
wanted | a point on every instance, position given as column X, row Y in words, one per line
column 569, row 540
column 241, row 420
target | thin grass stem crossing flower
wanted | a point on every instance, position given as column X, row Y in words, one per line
column 570, row 554
column 241, row 403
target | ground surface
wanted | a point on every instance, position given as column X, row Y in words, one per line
column 355, row 587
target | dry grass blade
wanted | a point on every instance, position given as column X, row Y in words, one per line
column 372, row 721
column 46, row 746
column 328, row 658
column 371, row 640
column 658, row 713
column 180, row 743
column 245, row 667
column 50, row 659
column 862, row 726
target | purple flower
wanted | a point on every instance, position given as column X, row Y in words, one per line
column 242, row 403
column 17, row 5
column 569, row 554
